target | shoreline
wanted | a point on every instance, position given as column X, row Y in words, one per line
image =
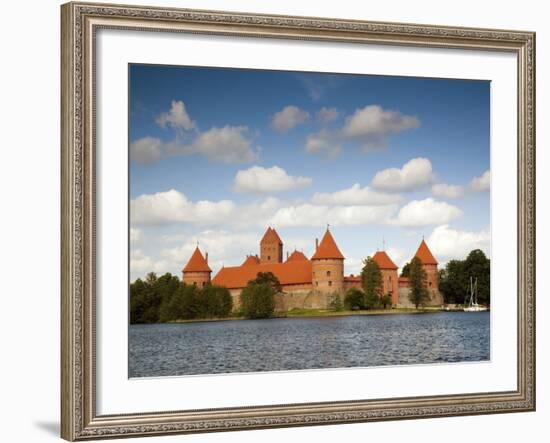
column 320, row 313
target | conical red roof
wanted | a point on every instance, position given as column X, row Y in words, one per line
column 425, row 255
column 327, row 248
column 271, row 236
column 296, row 256
column 251, row 260
column 197, row 263
column 383, row 260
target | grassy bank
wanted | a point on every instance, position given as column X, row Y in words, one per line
column 305, row 313
column 332, row 313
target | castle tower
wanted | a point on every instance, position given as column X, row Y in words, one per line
column 327, row 266
column 429, row 263
column 271, row 247
column 196, row 271
column 389, row 275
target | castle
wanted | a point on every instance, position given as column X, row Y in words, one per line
column 309, row 283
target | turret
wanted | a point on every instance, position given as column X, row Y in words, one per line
column 390, row 278
column 196, row 271
column 271, row 247
column 429, row 263
column 327, row 266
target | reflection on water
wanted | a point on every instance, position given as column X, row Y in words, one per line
column 307, row 343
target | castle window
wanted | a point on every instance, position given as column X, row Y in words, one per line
column 330, row 283
column 269, row 257
column 316, row 283
column 328, row 273
column 429, row 283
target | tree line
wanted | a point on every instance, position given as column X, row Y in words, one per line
column 454, row 279
column 166, row 298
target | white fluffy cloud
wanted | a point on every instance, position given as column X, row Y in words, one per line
column 324, row 142
column 319, row 215
column 355, row 195
column 289, row 117
column 327, row 115
column 426, row 212
column 177, row 117
column 481, row 183
column 370, row 127
column 259, row 180
column 415, row 174
column 372, row 124
column 141, row 264
column 444, row 190
column 174, row 207
column 451, row 243
column 230, row 144
column 135, row 235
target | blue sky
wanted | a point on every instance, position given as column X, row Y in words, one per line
column 217, row 155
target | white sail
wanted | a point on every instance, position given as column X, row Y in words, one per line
column 473, row 305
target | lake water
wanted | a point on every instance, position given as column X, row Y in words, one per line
column 307, row 343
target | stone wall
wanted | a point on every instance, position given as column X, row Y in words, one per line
column 301, row 297
column 390, row 284
column 436, row 298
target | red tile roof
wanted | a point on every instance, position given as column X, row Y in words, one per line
column 425, row 255
column 327, row 248
column 383, row 260
column 197, row 263
column 271, row 236
column 352, row 278
column 251, row 260
column 295, row 272
column 297, row 256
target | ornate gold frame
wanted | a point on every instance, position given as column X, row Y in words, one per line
column 80, row 21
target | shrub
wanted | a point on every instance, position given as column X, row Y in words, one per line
column 258, row 300
column 354, row 299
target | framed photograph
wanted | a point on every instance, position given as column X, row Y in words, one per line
column 275, row 221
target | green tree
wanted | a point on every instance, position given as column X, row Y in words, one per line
column 406, row 271
column 270, row 279
column 418, row 280
column 354, row 299
column 478, row 266
column 453, row 282
column 138, row 296
column 386, row 301
column 371, row 278
column 215, row 301
column 147, row 297
column 188, row 302
column 454, row 279
column 258, row 300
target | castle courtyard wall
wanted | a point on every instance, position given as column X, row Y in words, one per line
column 293, row 297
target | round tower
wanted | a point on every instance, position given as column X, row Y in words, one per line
column 196, row 271
column 327, row 266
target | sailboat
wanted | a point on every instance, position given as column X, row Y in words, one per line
column 473, row 305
